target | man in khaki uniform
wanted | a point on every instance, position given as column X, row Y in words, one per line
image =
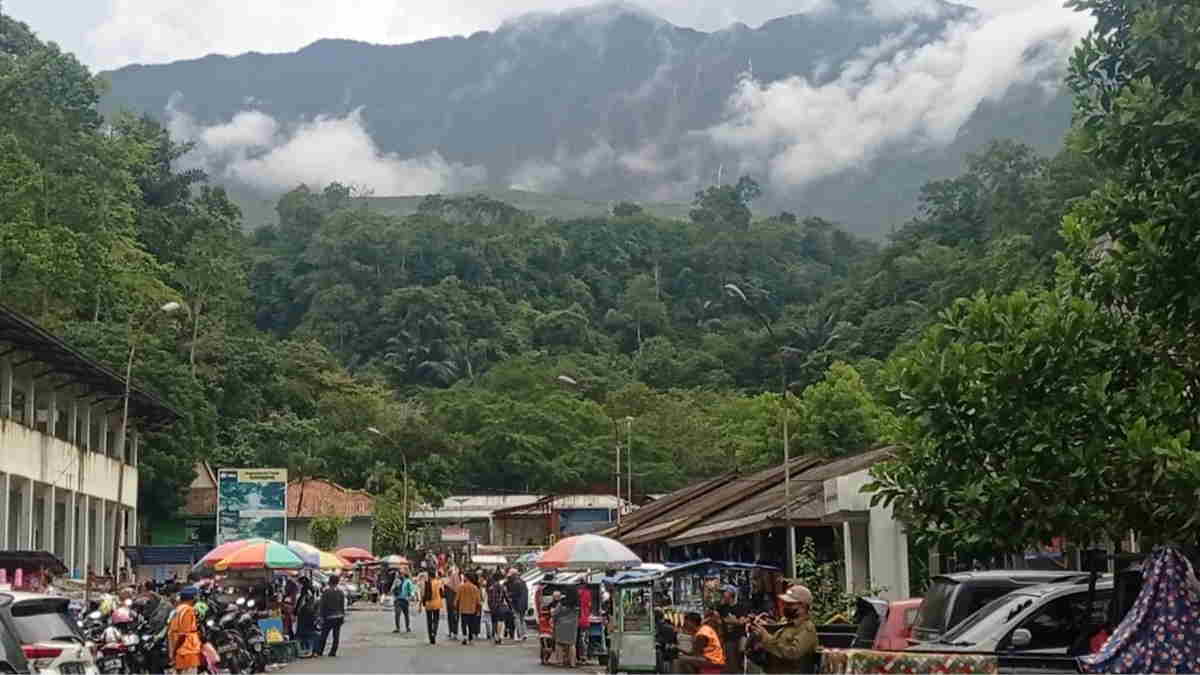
column 793, row 649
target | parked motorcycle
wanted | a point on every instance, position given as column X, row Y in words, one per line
column 252, row 636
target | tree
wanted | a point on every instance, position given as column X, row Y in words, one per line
column 1036, row 415
column 626, row 210
column 839, row 416
column 325, row 529
column 725, row 208
column 1135, row 98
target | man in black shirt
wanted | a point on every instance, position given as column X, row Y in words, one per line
column 733, row 623
column 333, row 613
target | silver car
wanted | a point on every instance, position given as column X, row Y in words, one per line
column 48, row 634
column 1051, row 620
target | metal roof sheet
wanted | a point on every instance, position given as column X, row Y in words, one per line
column 22, row 332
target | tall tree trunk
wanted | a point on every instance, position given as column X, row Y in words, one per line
column 199, row 305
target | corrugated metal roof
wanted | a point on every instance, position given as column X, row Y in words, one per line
column 687, row 508
column 767, row 508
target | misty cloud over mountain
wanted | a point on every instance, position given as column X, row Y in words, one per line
column 841, row 112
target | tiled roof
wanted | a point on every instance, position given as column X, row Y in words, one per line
column 199, row 502
column 325, row 498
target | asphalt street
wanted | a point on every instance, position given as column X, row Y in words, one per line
column 369, row 646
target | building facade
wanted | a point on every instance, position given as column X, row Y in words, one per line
column 68, row 466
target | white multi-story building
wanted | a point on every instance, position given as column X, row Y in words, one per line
column 62, row 454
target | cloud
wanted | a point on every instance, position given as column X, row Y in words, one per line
column 255, row 150
column 156, row 31
column 794, row 131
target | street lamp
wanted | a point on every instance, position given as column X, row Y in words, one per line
column 134, row 330
column 628, row 457
column 404, row 465
column 566, row 379
column 784, row 353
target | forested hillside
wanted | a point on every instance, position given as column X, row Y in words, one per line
column 497, row 350
column 609, row 102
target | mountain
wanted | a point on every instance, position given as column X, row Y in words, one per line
column 610, row 102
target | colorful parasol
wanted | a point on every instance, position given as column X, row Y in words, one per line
column 588, row 551
column 261, row 555
column 314, row 557
column 208, row 563
column 354, row 554
column 395, row 561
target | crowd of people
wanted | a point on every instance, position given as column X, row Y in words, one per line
column 477, row 605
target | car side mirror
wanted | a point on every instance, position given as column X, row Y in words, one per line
column 1021, row 638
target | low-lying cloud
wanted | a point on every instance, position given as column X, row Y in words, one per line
column 906, row 92
column 794, row 131
column 256, row 150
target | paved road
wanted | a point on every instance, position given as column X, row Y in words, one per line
column 369, row 646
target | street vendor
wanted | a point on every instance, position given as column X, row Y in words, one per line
column 708, row 654
column 793, row 649
column 734, row 617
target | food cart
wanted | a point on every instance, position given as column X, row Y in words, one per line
column 648, row 610
column 595, row 641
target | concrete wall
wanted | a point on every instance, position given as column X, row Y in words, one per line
column 876, row 545
column 52, row 461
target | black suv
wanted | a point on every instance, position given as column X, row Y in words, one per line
column 953, row 597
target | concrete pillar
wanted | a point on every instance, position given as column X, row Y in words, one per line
column 6, row 387
column 73, row 420
column 25, row 533
column 5, row 503
column 51, row 538
column 103, row 424
column 30, row 402
column 87, row 426
column 52, row 414
column 85, row 532
column 71, row 523
column 101, row 541
column 857, row 554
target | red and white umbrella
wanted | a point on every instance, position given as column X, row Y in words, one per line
column 588, row 552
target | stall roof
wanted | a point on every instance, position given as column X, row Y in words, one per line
column 630, row 523
column 686, row 511
column 768, row 508
column 61, row 358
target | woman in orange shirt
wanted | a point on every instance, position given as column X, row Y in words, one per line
column 183, row 634
column 432, row 600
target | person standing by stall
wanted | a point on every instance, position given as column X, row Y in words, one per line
column 306, row 618
column 565, row 614
column 733, row 624
column 333, row 615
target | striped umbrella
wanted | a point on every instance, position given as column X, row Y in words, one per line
column 207, row 564
column 314, row 557
column 261, row 555
column 588, row 551
column 354, row 554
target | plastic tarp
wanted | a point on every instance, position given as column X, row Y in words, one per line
column 1161, row 633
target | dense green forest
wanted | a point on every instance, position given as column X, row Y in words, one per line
column 501, row 352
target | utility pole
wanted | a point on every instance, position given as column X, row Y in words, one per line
column 629, row 455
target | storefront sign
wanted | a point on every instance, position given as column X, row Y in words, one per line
column 251, row 503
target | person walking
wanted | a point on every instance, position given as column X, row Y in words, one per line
column 333, row 615
column 402, row 591
column 306, row 618
column 500, row 605
column 453, row 581
column 432, row 602
column 183, row 634
column 470, row 606
column 518, row 596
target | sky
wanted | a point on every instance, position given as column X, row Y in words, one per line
column 108, row 34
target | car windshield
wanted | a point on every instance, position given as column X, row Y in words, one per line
column 932, row 614
column 43, row 621
column 984, row 623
